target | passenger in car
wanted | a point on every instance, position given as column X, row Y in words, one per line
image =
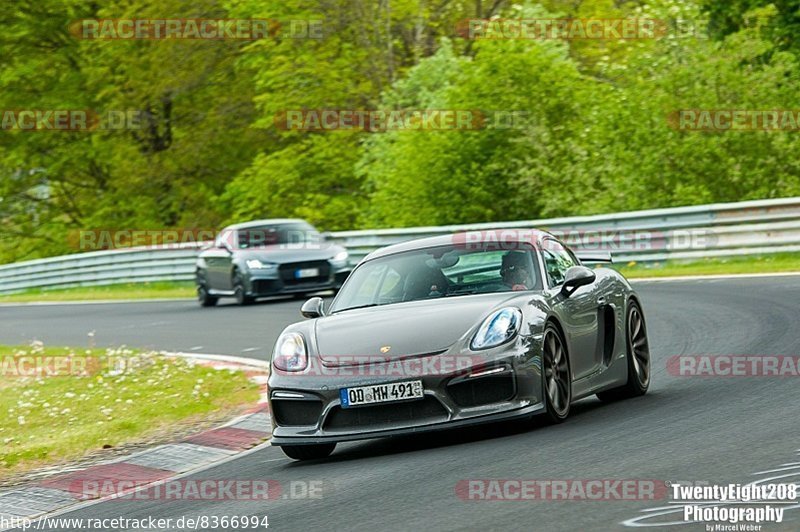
column 514, row 271
column 425, row 282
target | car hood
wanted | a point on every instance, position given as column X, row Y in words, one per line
column 281, row 254
column 410, row 329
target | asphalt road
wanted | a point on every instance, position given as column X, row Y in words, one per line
column 711, row 429
column 164, row 325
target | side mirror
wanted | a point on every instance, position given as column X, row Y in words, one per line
column 313, row 308
column 576, row 277
column 326, row 236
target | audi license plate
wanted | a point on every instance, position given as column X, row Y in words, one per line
column 380, row 393
column 306, row 272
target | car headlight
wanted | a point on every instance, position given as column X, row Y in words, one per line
column 497, row 328
column 255, row 264
column 290, row 353
column 341, row 256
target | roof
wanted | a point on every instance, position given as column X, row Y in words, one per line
column 259, row 223
column 532, row 236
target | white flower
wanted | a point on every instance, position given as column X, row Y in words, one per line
column 21, row 420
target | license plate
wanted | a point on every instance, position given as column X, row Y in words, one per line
column 380, row 393
column 306, row 272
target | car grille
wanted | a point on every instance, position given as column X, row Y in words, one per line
column 483, row 391
column 427, row 409
column 296, row 413
column 264, row 286
column 287, row 272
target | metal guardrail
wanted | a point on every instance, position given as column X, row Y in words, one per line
column 718, row 230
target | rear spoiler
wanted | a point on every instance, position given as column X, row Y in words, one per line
column 594, row 256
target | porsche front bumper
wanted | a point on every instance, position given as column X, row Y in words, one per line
column 494, row 385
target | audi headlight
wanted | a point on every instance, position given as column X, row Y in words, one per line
column 340, row 257
column 497, row 328
column 290, row 353
column 255, row 264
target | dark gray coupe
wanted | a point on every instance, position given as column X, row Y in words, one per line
column 454, row 331
column 269, row 257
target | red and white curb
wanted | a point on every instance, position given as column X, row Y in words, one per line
column 152, row 466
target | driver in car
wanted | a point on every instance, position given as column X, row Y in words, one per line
column 514, row 270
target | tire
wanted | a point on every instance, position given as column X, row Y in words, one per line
column 638, row 359
column 204, row 298
column 557, row 374
column 308, row 452
column 239, row 292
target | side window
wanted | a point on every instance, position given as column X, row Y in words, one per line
column 557, row 260
column 391, row 285
column 370, row 285
column 381, row 282
column 225, row 239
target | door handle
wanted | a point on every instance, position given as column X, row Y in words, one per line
column 601, row 301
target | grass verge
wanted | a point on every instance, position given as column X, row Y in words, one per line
column 59, row 403
column 160, row 290
column 772, row 263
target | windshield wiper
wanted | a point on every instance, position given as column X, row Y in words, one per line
column 356, row 307
column 461, row 292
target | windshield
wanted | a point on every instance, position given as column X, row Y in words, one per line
column 270, row 235
column 438, row 272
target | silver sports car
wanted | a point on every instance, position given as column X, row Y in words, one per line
column 454, row 331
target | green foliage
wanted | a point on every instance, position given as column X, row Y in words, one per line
column 190, row 96
column 594, row 138
column 598, row 138
column 312, row 179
